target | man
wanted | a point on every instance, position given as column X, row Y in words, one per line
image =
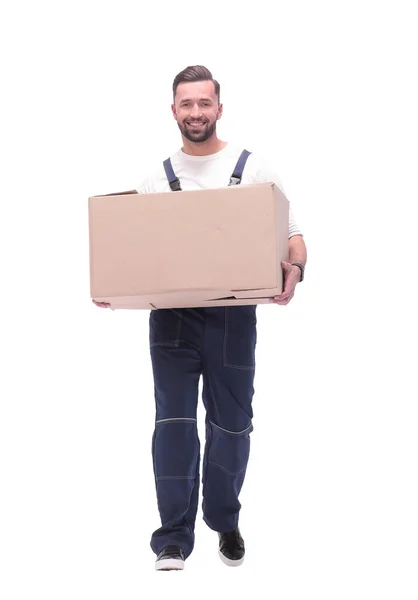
column 217, row 343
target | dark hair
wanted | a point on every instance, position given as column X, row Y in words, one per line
column 196, row 73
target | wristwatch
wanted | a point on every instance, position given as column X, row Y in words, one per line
column 302, row 270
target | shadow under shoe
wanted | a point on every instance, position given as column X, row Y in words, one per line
column 171, row 558
column 231, row 548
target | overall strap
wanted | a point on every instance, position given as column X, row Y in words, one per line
column 239, row 168
column 234, row 180
column 172, row 179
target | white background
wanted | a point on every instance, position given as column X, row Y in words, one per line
column 327, row 92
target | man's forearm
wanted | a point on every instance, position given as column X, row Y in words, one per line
column 297, row 250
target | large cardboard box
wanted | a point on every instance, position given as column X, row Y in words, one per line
column 218, row 247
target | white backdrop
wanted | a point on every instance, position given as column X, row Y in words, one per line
column 327, row 92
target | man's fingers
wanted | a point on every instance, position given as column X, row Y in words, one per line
column 282, row 299
column 101, row 304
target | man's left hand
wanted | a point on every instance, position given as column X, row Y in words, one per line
column 291, row 278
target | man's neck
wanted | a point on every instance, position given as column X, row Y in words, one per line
column 211, row 146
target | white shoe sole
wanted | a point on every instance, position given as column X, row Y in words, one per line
column 229, row 562
column 169, row 564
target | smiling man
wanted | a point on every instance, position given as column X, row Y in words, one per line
column 216, row 343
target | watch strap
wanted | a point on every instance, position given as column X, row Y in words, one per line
column 302, row 269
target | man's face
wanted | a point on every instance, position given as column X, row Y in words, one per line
column 196, row 110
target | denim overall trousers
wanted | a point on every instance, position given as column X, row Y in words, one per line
column 217, row 344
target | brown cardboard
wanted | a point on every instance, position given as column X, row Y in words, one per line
column 219, row 247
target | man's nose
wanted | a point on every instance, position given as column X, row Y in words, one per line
column 195, row 112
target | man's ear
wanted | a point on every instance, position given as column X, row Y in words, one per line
column 220, row 111
column 173, row 110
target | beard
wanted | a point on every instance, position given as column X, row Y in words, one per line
column 197, row 135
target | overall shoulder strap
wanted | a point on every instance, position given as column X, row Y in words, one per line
column 172, row 179
column 239, row 168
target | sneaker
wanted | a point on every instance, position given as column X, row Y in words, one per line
column 231, row 548
column 171, row 558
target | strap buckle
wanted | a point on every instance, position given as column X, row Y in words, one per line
column 175, row 185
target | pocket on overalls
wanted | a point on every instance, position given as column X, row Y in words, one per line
column 165, row 327
column 240, row 337
column 228, row 449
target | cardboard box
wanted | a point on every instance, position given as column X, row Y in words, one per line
column 219, row 247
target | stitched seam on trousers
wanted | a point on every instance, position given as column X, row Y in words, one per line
column 231, row 432
column 238, row 367
column 226, row 470
column 174, row 344
column 208, row 447
column 225, row 333
column 175, row 477
column 196, row 482
column 177, row 420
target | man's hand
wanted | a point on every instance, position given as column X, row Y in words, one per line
column 291, row 278
column 101, row 304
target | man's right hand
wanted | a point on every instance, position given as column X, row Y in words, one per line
column 101, row 304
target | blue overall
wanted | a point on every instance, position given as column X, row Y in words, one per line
column 217, row 343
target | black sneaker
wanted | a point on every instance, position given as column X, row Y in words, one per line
column 231, row 548
column 171, row 558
